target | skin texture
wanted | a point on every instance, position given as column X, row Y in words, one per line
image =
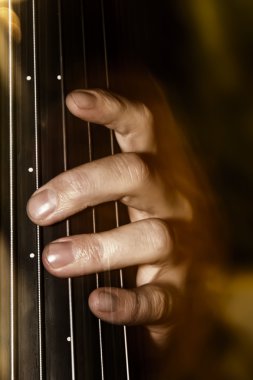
column 153, row 203
column 171, row 231
column 155, row 177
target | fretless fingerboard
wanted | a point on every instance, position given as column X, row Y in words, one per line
column 46, row 328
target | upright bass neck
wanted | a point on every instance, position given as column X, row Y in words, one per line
column 46, row 328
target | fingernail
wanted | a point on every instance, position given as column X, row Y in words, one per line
column 42, row 204
column 83, row 99
column 107, row 302
column 59, row 255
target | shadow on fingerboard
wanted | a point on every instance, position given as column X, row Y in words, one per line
column 46, row 328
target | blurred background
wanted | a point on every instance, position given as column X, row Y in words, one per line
column 202, row 53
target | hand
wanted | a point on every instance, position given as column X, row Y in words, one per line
column 144, row 178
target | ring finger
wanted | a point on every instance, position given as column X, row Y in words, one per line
column 150, row 243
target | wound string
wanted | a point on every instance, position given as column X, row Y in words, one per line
column 11, row 205
column 71, row 322
column 112, row 152
column 89, row 129
column 37, row 179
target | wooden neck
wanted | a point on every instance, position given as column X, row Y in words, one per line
column 46, row 328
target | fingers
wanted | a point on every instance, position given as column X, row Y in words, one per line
column 146, row 305
column 150, row 243
column 132, row 122
column 153, row 306
column 123, row 176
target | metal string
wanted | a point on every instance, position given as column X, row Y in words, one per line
column 37, row 175
column 65, row 168
column 11, row 210
column 112, row 152
column 93, row 209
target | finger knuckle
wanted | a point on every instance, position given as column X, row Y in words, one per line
column 159, row 303
column 135, row 308
column 145, row 113
column 150, row 304
column 82, row 181
column 162, row 305
column 73, row 184
column 159, row 237
column 89, row 251
column 111, row 102
column 138, row 169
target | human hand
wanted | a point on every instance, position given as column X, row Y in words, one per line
column 140, row 177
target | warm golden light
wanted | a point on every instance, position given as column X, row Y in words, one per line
column 7, row 14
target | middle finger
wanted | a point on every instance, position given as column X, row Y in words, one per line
column 123, row 176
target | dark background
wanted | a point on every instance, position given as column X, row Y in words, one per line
column 202, row 52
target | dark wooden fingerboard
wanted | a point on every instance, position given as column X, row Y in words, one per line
column 46, row 328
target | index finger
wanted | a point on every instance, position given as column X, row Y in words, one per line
column 132, row 122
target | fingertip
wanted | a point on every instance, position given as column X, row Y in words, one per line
column 103, row 301
column 41, row 205
column 79, row 100
column 58, row 257
column 45, row 262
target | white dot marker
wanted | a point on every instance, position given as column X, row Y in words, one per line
column 30, row 170
column 32, row 255
column 69, row 339
column 28, row 77
column 59, row 77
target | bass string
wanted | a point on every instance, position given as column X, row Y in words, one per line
column 11, row 164
column 11, row 188
column 116, row 205
column 90, row 158
column 90, row 151
column 37, row 183
column 65, row 164
column 13, row 331
column 65, row 168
